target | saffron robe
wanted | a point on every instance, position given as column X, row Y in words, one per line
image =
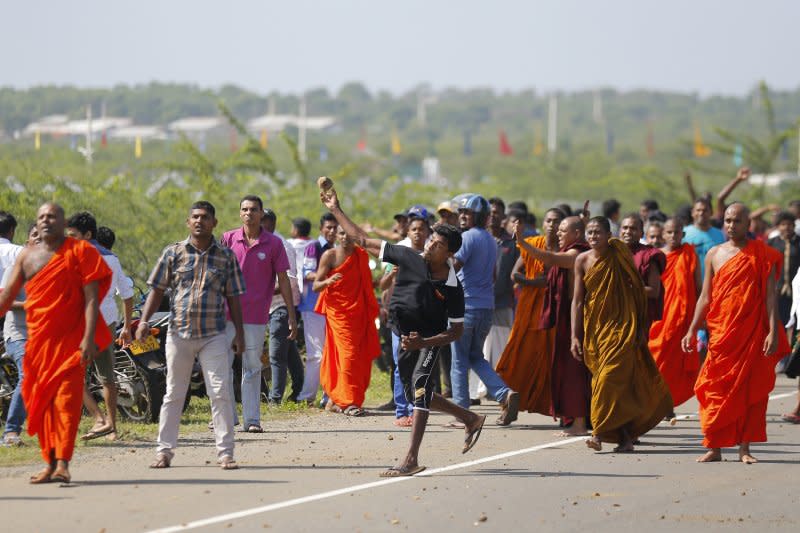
column 678, row 368
column 351, row 338
column 627, row 389
column 569, row 378
column 525, row 362
column 735, row 381
column 645, row 257
column 55, row 313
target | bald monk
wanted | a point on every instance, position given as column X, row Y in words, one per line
column 649, row 261
column 681, row 281
column 609, row 333
column 569, row 378
column 738, row 303
column 525, row 362
column 65, row 279
column 351, row 339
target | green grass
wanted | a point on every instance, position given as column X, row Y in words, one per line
column 195, row 420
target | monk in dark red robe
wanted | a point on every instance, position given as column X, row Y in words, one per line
column 649, row 262
column 569, row 378
column 351, row 338
column 738, row 303
column 65, row 279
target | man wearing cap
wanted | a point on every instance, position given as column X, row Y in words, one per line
column 475, row 263
column 261, row 257
column 447, row 213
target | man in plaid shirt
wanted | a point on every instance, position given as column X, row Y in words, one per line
column 203, row 276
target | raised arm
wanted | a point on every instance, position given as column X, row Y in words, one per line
column 702, row 303
column 719, row 208
column 690, row 186
column 358, row 235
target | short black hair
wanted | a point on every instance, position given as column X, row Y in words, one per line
column 106, row 237
column 561, row 214
column 518, row 204
column 450, row 233
column 519, row 214
column 327, row 217
column 702, row 200
column 205, row 206
column 610, row 207
column 497, row 201
column 635, row 216
column 252, row 198
column 7, row 223
column 84, row 222
column 269, row 214
column 651, row 205
column 684, row 214
column 303, row 226
column 602, row 221
column 566, row 209
column 530, row 219
column 784, row 216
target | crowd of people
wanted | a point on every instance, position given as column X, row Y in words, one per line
column 604, row 323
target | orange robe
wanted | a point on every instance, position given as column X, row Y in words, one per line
column 679, row 369
column 627, row 389
column 735, row 381
column 351, row 339
column 525, row 362
column 54, row 376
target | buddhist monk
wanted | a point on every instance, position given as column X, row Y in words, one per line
column 525, row 362
column 609, row 333
column 348, row 303
column 650, row 263
column 569, row 378
column 65, row 280
column 681, row 281
column 738, row 303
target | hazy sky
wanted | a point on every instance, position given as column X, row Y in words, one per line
column 710, row 46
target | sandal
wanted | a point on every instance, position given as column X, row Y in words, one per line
column 254, row 428
column 61, row 475
column 162, row 461
column 791, row 418
column 227, row 463
column 472, row 436
column 97, row 433
column 401, row 471
column 403, row 422
column 354, row 410
column 44, row 476
column 332, row 407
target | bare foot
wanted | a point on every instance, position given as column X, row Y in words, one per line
column 747, row 459
column 711, row 456
column 625, row 447
column 594, row 443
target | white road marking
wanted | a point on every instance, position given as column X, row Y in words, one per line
column 375, row 484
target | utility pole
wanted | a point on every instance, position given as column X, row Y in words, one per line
column 301, row 133
column 552, row 125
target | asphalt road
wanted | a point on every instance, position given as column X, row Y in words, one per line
column 320, row 472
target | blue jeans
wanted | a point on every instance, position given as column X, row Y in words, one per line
column 16, row 410
column 283, row 356
column 468, row 354
column 401, row 405
column 254, row 335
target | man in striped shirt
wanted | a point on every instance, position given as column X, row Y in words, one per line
column 203, row 277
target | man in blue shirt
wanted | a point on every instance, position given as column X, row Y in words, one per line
column 475, row 263
column 702, row 234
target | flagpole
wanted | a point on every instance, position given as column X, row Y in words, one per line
column 89, row 134
column 552, row 120
column 301, row 135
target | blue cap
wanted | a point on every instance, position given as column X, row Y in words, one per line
column 418, row 211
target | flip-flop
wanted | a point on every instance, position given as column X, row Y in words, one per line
column 354, row 410
column 454, row 424
column 96, row 434
column 791, row 418
column 162, row 461
column 227, row 463
column 472, row 436
column 44, row 476
column 402, row 472
column 61, row 476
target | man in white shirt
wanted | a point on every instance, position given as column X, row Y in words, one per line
column 83, row 226
column 8, row 250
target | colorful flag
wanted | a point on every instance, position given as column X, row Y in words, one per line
column 362, row 141
column 738, row 157
column 467, row 143
column 103, row 140
column 700, row 149
column 396, row 148
column 609, row 141
column 263, row 141
column 651, row 141
column 37, row 141
column 538, row 145
column 505, row 147
column 137, row 147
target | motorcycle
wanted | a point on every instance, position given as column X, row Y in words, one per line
column 8, row 381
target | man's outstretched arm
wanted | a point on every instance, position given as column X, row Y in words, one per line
column 331, row 201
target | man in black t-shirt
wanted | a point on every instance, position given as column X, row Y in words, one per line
column 427, row 311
